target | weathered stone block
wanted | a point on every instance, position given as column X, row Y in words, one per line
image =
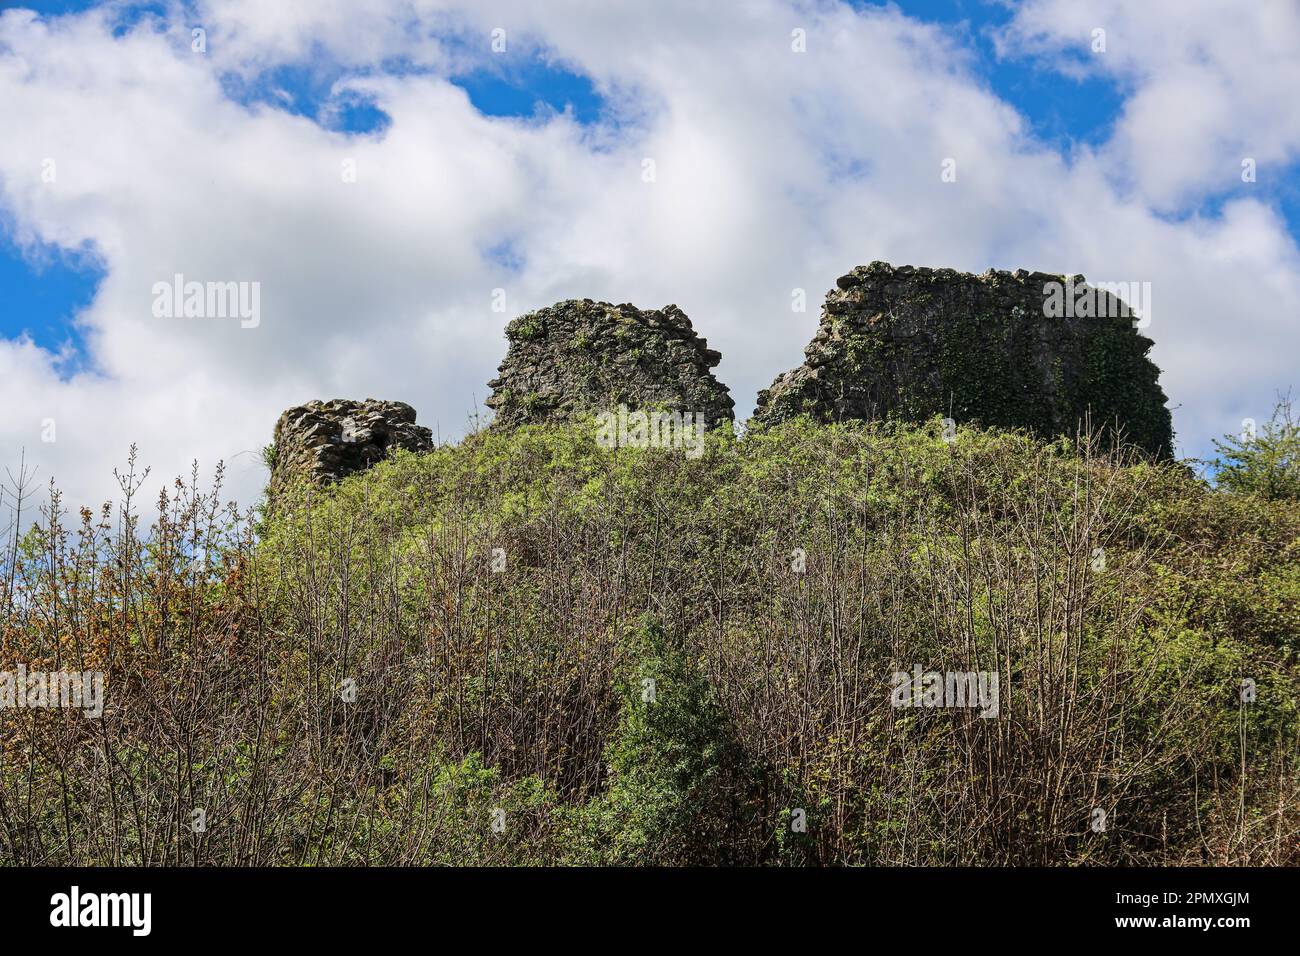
column 583, row 357
column 915, row 342
column 327, row 441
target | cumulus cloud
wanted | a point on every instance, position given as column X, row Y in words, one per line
column 1210, row 84
column 774, row 170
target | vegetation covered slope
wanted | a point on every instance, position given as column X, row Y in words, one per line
column 529, row 649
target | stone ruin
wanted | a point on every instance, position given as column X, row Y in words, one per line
column 915, row 342
column 905, row 342
column 580, row 357
column 325, row 442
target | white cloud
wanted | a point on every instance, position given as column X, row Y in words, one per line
column 776, row 170
column 1211, row 83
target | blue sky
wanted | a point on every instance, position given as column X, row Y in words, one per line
column 45, row 288
column 522, row 170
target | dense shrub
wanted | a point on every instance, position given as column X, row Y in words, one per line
column 1265, row 462
column 443, row 660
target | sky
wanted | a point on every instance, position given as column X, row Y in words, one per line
column 400, row 178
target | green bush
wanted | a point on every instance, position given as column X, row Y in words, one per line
column 1266, row 463
column 679, row 788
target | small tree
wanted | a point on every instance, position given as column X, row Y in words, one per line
column 1265, row 464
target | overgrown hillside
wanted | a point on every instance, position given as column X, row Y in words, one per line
column 529, row 649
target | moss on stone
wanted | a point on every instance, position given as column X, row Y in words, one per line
column 582, row 357
column 912, row 343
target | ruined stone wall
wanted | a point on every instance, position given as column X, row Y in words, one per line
column 914, row 342
column 906, row 342
column 324, row 442
column 583, row 357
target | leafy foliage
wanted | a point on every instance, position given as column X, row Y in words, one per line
column 497, row 607
column 1267, row 463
